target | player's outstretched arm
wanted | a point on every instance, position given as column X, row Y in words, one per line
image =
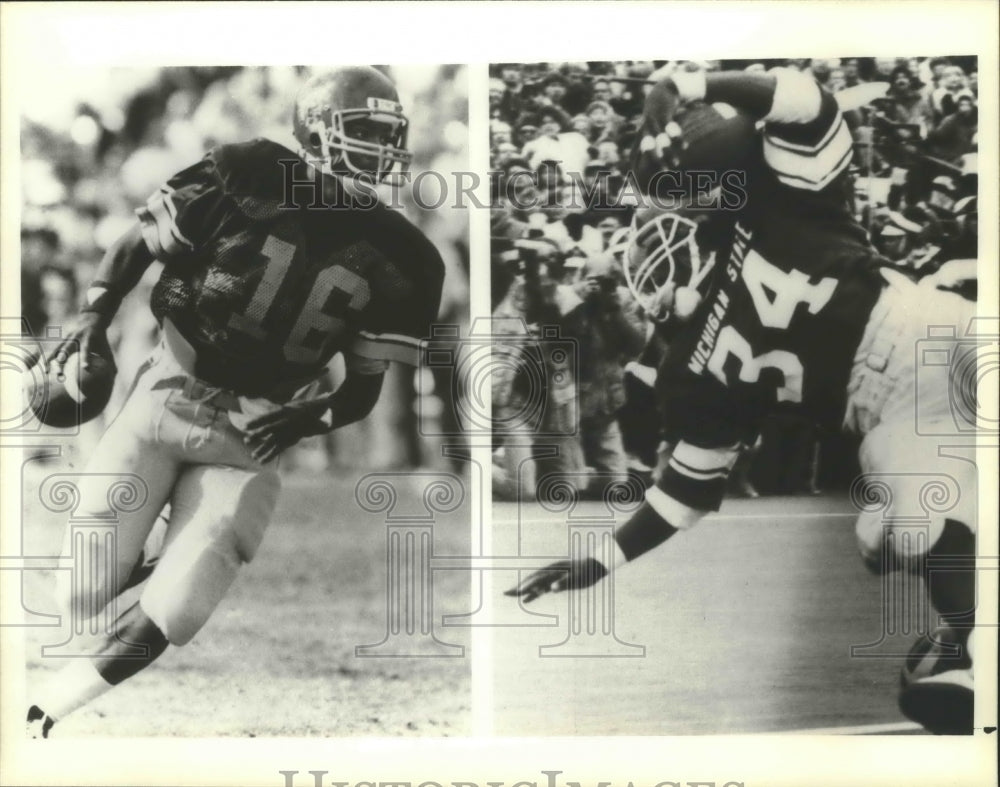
column 646, row 530
column 117, row 274
column 562, row 575
column 273, row 432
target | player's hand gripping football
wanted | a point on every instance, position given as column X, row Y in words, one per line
column 561, row 575
column 270, row 434
column 88, row 336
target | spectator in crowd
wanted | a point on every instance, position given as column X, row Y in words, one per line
column 567, row 226
column 497, row 90
column 534, row 297
column 936, row 66
column 953, row 138
column 610, row 333
column 579, row 91
column 944, row 100
column 500, row 133
column 556, row 141
column 604, row 121
column 513, row 102
column 837, row 81
column 39, row 250
column 851, row 71
column 601, row 90
column 906, row 101
column 58, row 288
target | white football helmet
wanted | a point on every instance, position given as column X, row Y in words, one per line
column 663, row 265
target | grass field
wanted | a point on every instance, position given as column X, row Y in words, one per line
column 278, row 657
column 747, row 623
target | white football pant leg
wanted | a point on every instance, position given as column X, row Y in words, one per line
column 129, row 456
column 218, row 518
column 916, row 450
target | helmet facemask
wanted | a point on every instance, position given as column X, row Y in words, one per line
column 335, row 133
column 661, row 260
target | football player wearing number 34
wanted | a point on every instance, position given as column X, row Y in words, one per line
column 798, row 310
column 261, row 286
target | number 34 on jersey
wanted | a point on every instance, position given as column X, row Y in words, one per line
column 776, row 295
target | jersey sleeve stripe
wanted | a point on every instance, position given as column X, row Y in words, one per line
column 150, row 233
column 701, row 475
column 359, row 364
column 805, row 150
column 671, row 510
column 696, row 477
column 159, row 229
column 813, row 172
column 705, row 459
column 175, row 230
column 388, row 347
column 400, row 338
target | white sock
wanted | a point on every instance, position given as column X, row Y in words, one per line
column 71, row 688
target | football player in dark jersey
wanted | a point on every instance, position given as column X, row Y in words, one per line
column 273, row 262
column 797, row 310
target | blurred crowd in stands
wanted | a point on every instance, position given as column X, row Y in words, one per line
column 560, row 138
column 94, row 146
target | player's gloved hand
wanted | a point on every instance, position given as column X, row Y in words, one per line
column 88, row 335
column 270, row 434
column 561, row 575
column 659, row 136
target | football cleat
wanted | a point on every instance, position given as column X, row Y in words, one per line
column 936, row 687
column 39, row 723
column 76, row 395
column 348, row 121
column 942, row 704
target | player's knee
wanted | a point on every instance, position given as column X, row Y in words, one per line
column 241, row 533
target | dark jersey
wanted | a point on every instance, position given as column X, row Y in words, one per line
column 268, row 284
column 789, row 300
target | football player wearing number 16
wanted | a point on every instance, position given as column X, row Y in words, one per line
column 798, row 310
column 258, row 292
